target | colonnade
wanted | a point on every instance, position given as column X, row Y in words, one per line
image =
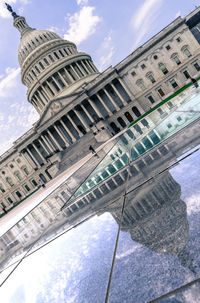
column 60, row 80
column 77, row 122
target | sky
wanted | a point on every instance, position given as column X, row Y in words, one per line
column 108, row 30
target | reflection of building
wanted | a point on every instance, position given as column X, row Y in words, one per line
column 164, row 208
column 156, row 217
column 78, row 106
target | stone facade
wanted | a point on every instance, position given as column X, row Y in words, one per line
column 79, row 106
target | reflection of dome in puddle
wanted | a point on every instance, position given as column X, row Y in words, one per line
column 156, row 217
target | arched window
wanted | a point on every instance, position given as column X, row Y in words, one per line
column 163, row 68
column 145, row 123
column 186, row 51
column 150, row 77
column 141, row 85
column 136, row 111
column 128, row 116
column 51, row 58
column 114, row 127
column 2, row 189
column 121, row 122
column 17, row 174
column 9, row 180
column 175, row 58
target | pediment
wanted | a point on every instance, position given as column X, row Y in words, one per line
column 56, row 106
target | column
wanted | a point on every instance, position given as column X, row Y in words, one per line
column 107, row 186
column 28, row 160
column 118, row 94
column 87, row 113
column 64, row 81
column 88, row 66
column 44, row 147
column 81, row 119
column 42, row 97
column 124, row 87
column 74, row 125
column 74, row 71
column 39, row 101
column 148, row 137
column 78, row 67
column 32, row 156
column 111, row 99
column 103, row 103
column 57, row 83
column 50, row 146
column 85, row 67
column 46, row 92
column 52, row 88
column 95, row 108
column 67, row 130
column 91, row 66
column 68, row 75
column 84, row 73
column 54, row 140
column 38, row 151
column 60, row 133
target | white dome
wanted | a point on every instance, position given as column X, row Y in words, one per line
column 33, row 39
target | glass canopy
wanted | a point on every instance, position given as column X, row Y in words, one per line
column 123, row 227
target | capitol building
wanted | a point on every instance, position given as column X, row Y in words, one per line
column 81, row 107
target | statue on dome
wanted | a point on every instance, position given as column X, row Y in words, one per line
column 9, row 8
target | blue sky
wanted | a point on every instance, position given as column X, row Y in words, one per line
column 108, row 30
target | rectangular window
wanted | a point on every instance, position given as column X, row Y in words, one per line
column 133, row 74
column 61, row 53
column 173, row 83
column 151, row 99
column 197, row 67
column 27, row 188
column 51, row 58
column 10, row 200
column 161, row 93
column 160, row 111
column 170, row 104
column 56, row 55
column 46, row 62
column 168, row 47
column 186, row 74
column 42, row 66
column 178, row 39
column 143, row 66
column 26, row 171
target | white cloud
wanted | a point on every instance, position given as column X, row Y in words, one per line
column 4, row 13
column 106, row 52
column 1, row 116
column 82, row 2
column 145, row 17
column 9, row 83
column 82, row 25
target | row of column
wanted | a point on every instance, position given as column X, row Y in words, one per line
column 61, row 79
column 51, row 141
